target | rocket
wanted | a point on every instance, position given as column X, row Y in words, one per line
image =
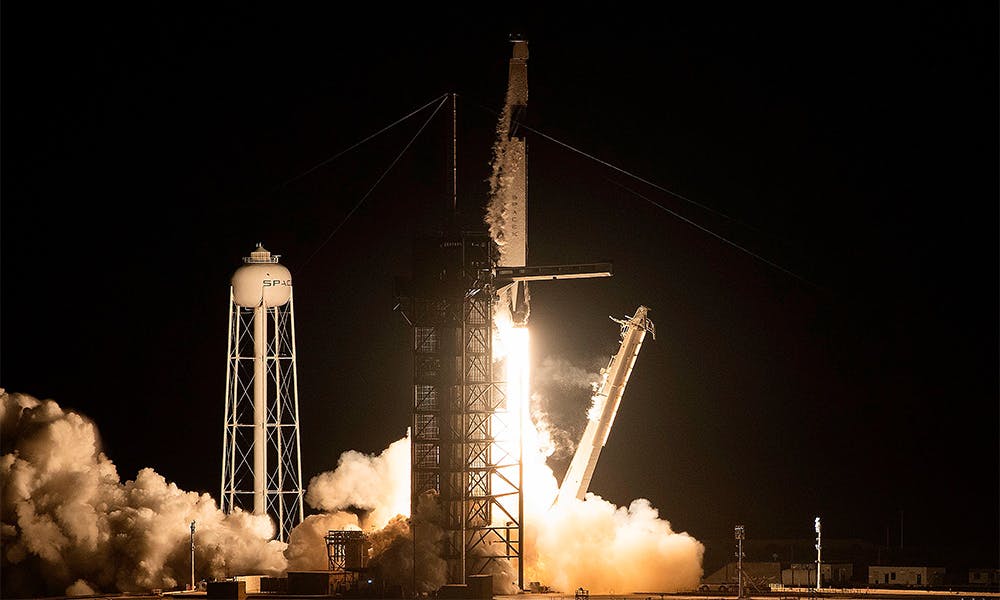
column 506, row 213
column 508, row 206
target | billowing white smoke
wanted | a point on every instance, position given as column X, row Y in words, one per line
column 70, row 526
column 378, row 485
column 606, row 549
column 594, row 544
column 364, row 492
column 307, row 541
column 372, row 493
column 557, row 390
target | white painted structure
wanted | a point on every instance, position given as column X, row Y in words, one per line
column 261, row 457
column 889, row 576
column 609, row 395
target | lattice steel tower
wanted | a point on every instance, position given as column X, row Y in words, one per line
column 458, row 392
column 465, row 442
column 261, row 458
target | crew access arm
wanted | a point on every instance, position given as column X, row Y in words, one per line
column 614, row 377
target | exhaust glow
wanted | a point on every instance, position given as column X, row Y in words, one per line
column 590, row 543
column 512, row 346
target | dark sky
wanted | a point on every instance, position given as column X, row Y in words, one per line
column 144, row 148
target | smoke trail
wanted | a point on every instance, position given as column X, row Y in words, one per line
column 69, row 525
column 559, row 390
column 507, row 164
column 506, row 209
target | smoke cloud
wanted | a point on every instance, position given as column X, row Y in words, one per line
column 561, row 392
column 595, row 544
column 379, row 486
column 364, row 490
column 307, row 541
column 608, row 549
column 70, row 526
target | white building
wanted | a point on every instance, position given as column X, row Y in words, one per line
column 905, row 576
column 984, row 577
column 804, row 574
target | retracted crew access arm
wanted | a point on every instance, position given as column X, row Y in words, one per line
column 613, row 380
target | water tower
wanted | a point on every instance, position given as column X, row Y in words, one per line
column 261, row 457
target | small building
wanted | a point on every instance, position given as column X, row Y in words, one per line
column 252, row 582
column 453, row 591
column 479, row 587
column 890, row 576
column 804, row 574
column 984, row 578
column 229, row 589
column 311, row 583
column 756, row 575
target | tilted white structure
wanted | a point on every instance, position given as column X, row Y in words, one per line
column 614, row 378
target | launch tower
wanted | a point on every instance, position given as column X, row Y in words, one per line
column 261, row 462
column 457, row 390
column 466, row 475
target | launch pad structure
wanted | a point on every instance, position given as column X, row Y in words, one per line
column 347, row 556
column 465, row 481
column 457, row 391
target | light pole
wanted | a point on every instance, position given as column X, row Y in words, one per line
column 739, row 560
column 819, row 546
column 192, row 556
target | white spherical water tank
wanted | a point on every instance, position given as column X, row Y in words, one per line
column 261, row 278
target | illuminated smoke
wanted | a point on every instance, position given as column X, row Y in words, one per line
column 590, row 543
column 431, row 570
column 558, row 390
column 371, row 493
column 364, row 492
column 307, row 541
column 377, row 485
column 69, row 524
column 507, row 167
column 606, row 549
column 394, row 553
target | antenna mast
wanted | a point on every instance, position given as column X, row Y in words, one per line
column 454, row 155
column 819, row 549
column 192, row 556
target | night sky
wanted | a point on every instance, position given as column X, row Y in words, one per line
column 841, row 362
